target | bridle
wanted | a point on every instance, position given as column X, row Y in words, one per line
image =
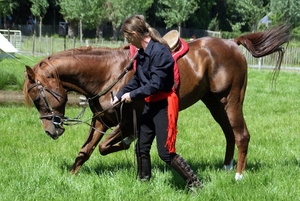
column 57, row 120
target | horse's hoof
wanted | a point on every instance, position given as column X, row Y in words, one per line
column 238, row 176
column 229, row 167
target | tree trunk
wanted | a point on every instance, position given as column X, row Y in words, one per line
column 40, row 27
column 179, row 29
column 115, row 32
column 71, row 28
column 40, row 34
column 80, row 31
column 99, row 31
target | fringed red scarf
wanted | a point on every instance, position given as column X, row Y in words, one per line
column 172, row 116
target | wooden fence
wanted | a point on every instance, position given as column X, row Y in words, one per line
column 44, row 46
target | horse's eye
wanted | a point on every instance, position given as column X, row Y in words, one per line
column 37, row 99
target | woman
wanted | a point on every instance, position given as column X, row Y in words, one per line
column 153, row 81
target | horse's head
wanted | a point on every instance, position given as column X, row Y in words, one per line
column 49, row 97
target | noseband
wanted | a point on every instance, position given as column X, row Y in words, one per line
column 57, row 120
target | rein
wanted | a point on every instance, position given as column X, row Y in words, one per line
column 75, row 121
column 126, row 70
column 123, row 73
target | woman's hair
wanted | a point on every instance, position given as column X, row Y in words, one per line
column 138, row 24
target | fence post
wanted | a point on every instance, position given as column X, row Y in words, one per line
column 52, row 44
column 33, row 43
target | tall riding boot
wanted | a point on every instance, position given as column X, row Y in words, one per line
column 185, row 171
column 144, row 168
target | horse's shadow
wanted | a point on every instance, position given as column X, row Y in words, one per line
column 176, row 181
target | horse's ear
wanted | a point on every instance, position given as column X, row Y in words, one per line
column 29, row 74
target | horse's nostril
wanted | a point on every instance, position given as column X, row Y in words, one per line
column 54, row 137
column 48, row 133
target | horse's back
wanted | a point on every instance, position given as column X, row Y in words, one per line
column 212, row 64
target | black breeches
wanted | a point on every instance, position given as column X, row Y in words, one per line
column 154, row 123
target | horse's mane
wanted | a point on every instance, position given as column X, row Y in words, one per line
column 89, row 51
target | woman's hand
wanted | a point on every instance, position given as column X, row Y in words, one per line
column 126, row 98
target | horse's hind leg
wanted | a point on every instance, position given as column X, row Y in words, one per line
column 94, row 136
column 241, row 134
column 220, row 116
column 227, row 111
column 117, row 140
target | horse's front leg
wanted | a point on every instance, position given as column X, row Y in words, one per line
column 96, row 132
column 115, row 141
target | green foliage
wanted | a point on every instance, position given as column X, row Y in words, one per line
column 7, row 7
column 216, row 15
column 296, row 33
column 90, row 12
column 39, row 7
column 285, row 11
column 251, row 11
column 124, row 8
column 175, row 12
column 245, row 14
column 94, row 13
column 35, row 167
column 72, row 9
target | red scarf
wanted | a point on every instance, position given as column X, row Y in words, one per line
column 172, row 116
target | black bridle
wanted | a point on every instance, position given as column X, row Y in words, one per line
column 57, row 120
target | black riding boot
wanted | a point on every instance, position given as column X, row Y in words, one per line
column 185, row 171
column 144, row 168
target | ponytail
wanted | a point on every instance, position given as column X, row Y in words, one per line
column 138, row 24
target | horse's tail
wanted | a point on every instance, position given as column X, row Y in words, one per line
column 267, row 42
column 263, row 43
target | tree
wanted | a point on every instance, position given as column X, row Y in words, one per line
column 175, row 12
column 118, row 10
column 78, row 11
column 285, row 11
column 6, row 8
column 94, row 15
column 39, row 9
column 251, row 11
column 242, row 15
column 72, row 12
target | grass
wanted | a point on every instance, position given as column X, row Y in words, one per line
column 35, row 167
column 12, row 71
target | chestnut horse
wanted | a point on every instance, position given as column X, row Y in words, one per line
column 214, row 71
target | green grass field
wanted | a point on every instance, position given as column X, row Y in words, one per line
column 35, row 167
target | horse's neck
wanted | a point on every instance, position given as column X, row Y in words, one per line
column 91, row 75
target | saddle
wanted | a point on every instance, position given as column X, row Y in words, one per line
column 172, row 38
column 178, row 48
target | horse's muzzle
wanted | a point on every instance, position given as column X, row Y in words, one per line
column 55, row 132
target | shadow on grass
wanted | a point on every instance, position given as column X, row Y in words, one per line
column 176, row 180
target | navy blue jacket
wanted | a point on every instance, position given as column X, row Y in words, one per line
column 154, row 72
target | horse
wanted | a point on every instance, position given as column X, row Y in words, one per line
column 214, row 70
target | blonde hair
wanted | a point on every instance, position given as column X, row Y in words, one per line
column 138, row 24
